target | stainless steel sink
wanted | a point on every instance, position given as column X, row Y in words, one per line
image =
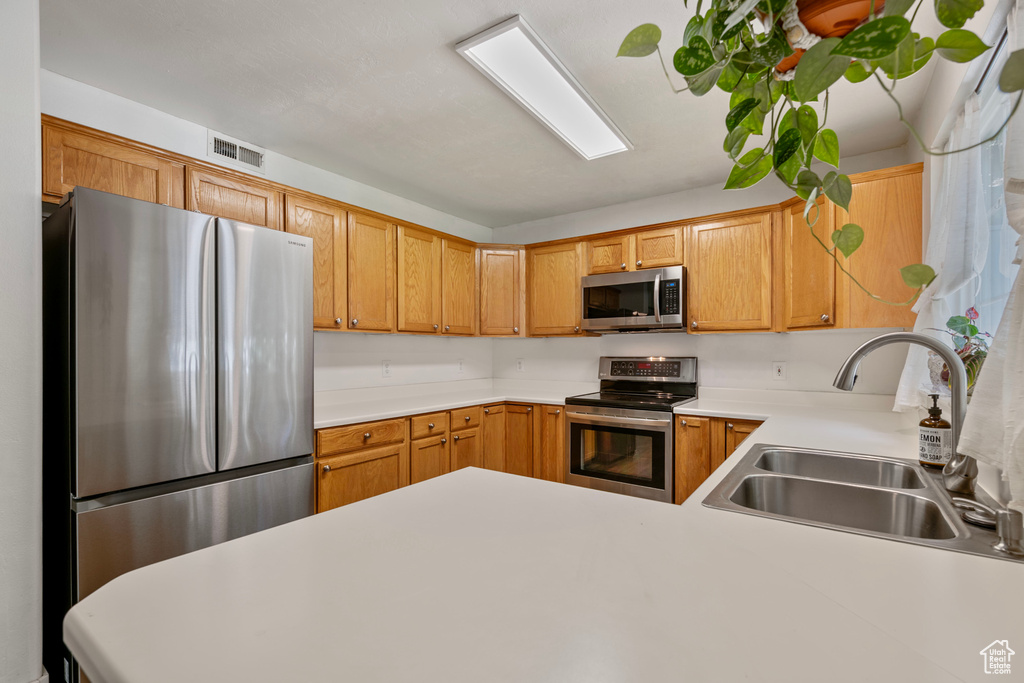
column 849, row 469
column 863, row 494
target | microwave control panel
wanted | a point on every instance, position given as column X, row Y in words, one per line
column 670, row 297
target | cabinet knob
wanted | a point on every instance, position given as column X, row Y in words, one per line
column 729, row 425
column 623, row 266
column 693, row 325
column 529, row 410
column 337, row 321
column 639, row 263
column 366, row 435
column 355, row 321
column 576, row 329
column 435, row 326
column 447, row 327
column 444, row 440
column 558, row 412
column 825, row 318
column 682, row 423
column 430, row 425
column 327, row 468
column 516, row 330
column 467, row 418
column 456, row 438
column 487, row 411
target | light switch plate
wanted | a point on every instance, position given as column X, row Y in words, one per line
column 779, row 370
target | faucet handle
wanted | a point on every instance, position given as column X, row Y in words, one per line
column 1010, row 527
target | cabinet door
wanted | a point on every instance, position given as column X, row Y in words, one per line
column 76, row 159
column 519, row 439
column 500, row 292
column 428, row 458
column 549, row 461
column 729, row 276
column 735, row 433
column 693, row 455
column 808, row 271
column 345, row 479
column 467, row 449
column 371, row 273
column 458, row 291
column 493, row 435
column 223, row 195
column 887, row 205
column 324, row 223
column 659, row 248
column 610, row 255
column 419, row 281
column 553, row 290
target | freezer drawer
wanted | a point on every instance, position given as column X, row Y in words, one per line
column 110, row 540
column 265, row 325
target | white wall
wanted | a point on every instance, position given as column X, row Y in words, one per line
column 20, row 341
column 74, row 101
column 350, row 360
column 724, row 360
column 701, row 201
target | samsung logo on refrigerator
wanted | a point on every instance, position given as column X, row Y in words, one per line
column 297, row 244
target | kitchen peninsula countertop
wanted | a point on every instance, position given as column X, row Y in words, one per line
column 482, row 576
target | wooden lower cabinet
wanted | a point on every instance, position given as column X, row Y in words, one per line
column 701, row 445
column 355, row 476
column 428, row 458
column 467, row 449
column 519, row 439
column 549, row 458
column 492, row 427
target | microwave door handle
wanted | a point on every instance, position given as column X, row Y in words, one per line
column 657, row 298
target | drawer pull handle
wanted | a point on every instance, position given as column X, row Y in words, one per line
column 430, row 425
column 467, row 418
column 366, row 435
column 682, row 423
column 487, row 411
column 529, row 410
column 729, row 425
column 456, row 438
column 327, row 468
column 444, row 440
column 558, row 412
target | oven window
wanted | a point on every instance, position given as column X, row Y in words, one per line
column 622, row 454
column 619, row 301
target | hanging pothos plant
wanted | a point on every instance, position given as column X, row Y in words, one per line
column 777, row 57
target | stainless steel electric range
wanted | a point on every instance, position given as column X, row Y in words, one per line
column 620, row 438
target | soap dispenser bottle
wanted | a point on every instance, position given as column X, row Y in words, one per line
column 936, row 438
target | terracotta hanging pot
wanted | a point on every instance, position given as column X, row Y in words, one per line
column 826, row 19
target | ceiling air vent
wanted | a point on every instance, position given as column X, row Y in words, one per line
column 228, row 150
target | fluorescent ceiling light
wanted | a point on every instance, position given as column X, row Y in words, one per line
column 518, row 62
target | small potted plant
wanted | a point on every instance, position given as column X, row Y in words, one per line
column 970, row 344
column 778, row 59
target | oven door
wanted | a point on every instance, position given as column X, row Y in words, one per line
column 623, row 454
column 649, row 299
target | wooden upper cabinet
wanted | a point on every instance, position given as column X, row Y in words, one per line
column 371, row 273
column 808, row 272
column 553, row 290
column 610, row 254
column 729, row 274
column 325, row 224
column 549, row 455
column 659, row 248
column 228, row 197
column 419, row 281
column 492, row 429
column 501, row 292
column 76, row 158
column 519, row 444
column 458, row 287
column 887, row 205
column 693, row 454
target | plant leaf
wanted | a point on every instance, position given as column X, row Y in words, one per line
column 730, row 77
column 897, row 8
column 788, row 169
column 959, row 45
column 641, row 41
column 739, row 112
column 694, row 59
column 703, row 83
column 740, row 13
column 807, row 182
column 812, row 203
column 1011, row 78
column 955, row 13
column 958, row 324
column 838, row 188
column 751, row 169
column 856, row 72
column 692, row 29
column 826, row 147
column 772, row 51
column 787, row 145
column 807, row 124
column 818, row 69
column 848, row 238
column 788, row 121
column 875, row 39
column 917, row 275
column 735, row 140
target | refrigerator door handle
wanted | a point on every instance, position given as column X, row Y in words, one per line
column 208, row 350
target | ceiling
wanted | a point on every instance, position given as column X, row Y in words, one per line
column 373, row 90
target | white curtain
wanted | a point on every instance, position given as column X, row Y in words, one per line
column 994, row 428
column 958, row 245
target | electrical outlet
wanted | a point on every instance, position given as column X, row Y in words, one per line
column 779, row 370
column 459, row 367
column 520, row 365
column 385, row 368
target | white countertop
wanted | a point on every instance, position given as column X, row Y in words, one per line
column 481, row 576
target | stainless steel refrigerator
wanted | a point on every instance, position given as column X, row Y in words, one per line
column 178, row 390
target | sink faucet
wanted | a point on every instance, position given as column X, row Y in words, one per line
column 961, row 472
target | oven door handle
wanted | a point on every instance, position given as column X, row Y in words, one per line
column 657, row 298
column 613, row 420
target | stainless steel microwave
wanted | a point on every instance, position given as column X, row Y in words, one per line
column 653, row 299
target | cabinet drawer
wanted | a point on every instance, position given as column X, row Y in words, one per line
column 464, row 418
column 434, row 424
column 351, row 437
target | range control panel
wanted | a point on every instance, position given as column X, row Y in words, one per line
column 653, row 368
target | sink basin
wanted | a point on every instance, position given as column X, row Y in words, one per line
column 850, row 469
column 827, row 503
